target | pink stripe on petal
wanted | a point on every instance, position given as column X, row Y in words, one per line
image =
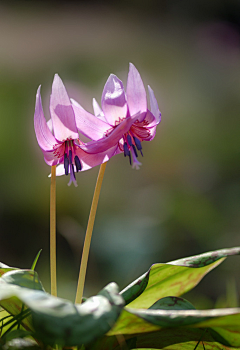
column 114, row 103
column 136, row 94
column 45, row 138
column 61, row 111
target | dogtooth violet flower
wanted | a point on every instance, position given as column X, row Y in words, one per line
column 59, row 137
column 118, row 107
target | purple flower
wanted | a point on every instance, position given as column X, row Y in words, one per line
column 124, row 120
column 63, row 146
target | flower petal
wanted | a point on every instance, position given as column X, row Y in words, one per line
column 114, row 102
column 88, row 161
column 89, row 125
column 136, row 94
column 112, row 139
column 61, row 111
column 154, row 105
column 97, row 110
column 45, row 138
column 75, row 103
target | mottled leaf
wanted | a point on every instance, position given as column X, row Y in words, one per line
column 179, row 276
column 58, row 321
column 183, row 338
column 172, row 303
column 206, row 258
column 133, row 290
column 5, row 268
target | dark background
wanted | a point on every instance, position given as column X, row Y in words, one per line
column 185, row 200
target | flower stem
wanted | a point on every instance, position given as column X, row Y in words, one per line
column 88, row 236
column 53, row 269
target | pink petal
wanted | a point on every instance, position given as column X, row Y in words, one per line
column 96, row 108
column 112, row 139
column 61, row 111
column 89, row 161
column 136, row 94
column 150, row 119
column 45, row 138
column 98, row 111
column 75, row 103
column 89, row 125
column 154, row 106
column 152, row 134
column 114, row 103
column 49, row 124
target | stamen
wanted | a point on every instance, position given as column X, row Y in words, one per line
column 78, row 163
column 138, row 144
column 66, row 163
column 135, row 151
column 70, row 156
column 130, row 158
column 129, row 140
column 126, row 150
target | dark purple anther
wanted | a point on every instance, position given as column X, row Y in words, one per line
column 78, row 163
column 135, row 151
column 129, row 140
column 130, row 158
column 66, row 163
column 126, row 150
column 138, row 144
column 70, row 156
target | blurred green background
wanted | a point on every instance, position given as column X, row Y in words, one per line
column 185, row 200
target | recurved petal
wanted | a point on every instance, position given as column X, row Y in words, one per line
column 51, row 158
column 112, row 139
column 154, row 105
column 136, row 94
column 114, row 102
column 89, row 125
column 63, row 118
column 45, row 138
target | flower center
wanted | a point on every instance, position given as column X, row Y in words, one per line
column 131, row 144
column 71, row 159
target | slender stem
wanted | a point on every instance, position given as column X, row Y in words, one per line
column 88, row 236
column 53, row 268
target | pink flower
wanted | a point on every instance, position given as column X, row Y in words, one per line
column 124, row 120
column 63, row 146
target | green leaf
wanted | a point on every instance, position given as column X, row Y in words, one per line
column 136, row 288
column 21, row 344
column 206, row 258
column 36, row 260
column 58, row 321
column 5, row 268
column 23, row 278
column 172, row 303
column 14, row 306
column 177, row 277
column 183, row 338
